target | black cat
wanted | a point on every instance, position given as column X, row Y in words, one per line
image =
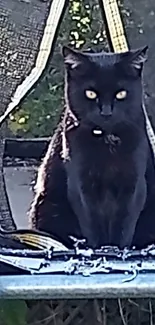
column 93, row 182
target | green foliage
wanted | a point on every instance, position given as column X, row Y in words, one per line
column 12, row 312
column 82, row 27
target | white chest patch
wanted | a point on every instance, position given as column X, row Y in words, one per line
column 97, row 132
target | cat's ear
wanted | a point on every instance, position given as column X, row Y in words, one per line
column 138, row 57
column 72, row 58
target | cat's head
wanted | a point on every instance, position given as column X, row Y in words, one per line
column 104, row 89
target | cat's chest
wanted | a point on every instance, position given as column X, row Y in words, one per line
column 95, row 160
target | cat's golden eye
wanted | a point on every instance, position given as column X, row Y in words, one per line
column 90, row 94
column 121, row 94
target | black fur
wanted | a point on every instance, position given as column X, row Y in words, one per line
column 104, row 191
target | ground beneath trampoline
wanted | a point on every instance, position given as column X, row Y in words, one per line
column 19, row 178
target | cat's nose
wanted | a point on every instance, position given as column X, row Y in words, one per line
column 106, row 110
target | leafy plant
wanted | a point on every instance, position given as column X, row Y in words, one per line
column 82, row 27
column 13, row 312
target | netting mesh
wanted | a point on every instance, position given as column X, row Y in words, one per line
column 139, row 19
column 22, row 25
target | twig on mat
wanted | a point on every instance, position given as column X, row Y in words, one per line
column 138, row 306
column 121, row 312
column 151, row 314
